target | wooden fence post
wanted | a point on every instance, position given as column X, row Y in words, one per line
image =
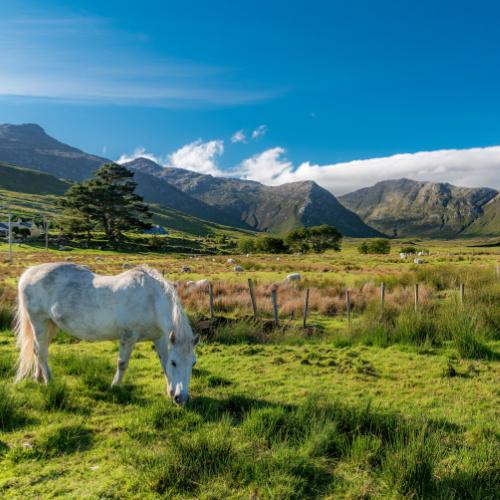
column 10, row 237
column 306, row 307
column 252, row 297
column 46, row 226
column 382, row 294
column 211, row 297
column 462, row 292
column 416, row 296
column 275, row 307
column 348, row 306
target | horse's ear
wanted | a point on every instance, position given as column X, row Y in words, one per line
column 171, row 337
column 196, row 339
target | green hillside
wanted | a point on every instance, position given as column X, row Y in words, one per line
column 31, row 194
column 29, row 181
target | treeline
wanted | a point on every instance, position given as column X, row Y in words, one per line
column 315, row 239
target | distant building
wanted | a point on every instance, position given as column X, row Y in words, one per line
column 20, row 224
column 156, row 230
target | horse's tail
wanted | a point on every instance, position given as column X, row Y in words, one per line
column 27, row 362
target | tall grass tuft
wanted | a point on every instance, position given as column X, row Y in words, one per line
column 10, row 413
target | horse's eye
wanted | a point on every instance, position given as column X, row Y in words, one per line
column 174, row 364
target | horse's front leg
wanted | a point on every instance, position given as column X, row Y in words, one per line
column 127, row 342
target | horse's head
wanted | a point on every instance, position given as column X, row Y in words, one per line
column 181, row 359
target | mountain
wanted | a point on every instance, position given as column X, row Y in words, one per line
column 263, row 208
column 488, row 224
column 28, row 145
column 29, row 181
column 409, row 207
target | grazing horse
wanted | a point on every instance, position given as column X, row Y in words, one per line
column 133, row 306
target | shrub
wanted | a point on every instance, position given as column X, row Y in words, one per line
column 375, row 246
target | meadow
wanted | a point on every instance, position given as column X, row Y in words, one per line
column 392, row 403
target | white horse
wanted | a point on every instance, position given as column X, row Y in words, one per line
column 133, row 306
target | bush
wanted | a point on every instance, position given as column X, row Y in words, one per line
column 271, row 244
column 246, row 245
column 375, row 246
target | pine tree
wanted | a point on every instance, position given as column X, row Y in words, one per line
column 107, row 202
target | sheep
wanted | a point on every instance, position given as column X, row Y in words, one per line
column 198, row 284
column 418, row 261
column 293, row 277
column 238, row 269
column 403, row 256
column 231, row 261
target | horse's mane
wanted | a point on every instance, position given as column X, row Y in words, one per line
column 179, row 318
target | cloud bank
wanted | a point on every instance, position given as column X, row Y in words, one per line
column 474, row 167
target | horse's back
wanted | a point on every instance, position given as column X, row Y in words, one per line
column 87, row 304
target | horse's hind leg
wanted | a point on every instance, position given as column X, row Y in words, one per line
column 126, row 345
column 44, row 330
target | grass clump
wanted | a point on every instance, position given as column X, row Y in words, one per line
column 239, row 332
column 55, row 396
column 10, row 413
column 188, row 462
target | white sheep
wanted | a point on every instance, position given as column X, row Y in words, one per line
column 294, row 277
column 418, row 261
column 231, row 261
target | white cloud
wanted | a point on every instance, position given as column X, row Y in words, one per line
column 140, row 152
column 199, row 156
column 265, row 167
column 239, row 136
column 473, row 167
column 260, row 131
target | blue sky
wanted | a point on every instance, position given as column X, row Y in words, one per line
column 326, row 82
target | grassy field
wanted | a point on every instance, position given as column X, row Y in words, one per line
column 396, row 404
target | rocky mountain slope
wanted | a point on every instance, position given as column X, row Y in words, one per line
column 488, row 224
column 29, row 146
column 264, row 208
column 406, row 207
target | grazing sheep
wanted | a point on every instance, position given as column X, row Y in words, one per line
column 403, row 255
column 418, row 261
column 231, row 261
column 294, row 277
column 238, row 269
column 198, row 284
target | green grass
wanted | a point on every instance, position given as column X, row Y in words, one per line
column 270, row 420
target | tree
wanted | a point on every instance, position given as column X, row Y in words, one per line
column 314, row 239
column 246, row 245
column 271, row 244
column 378, row 245
column 108, row 202
column 78, row 212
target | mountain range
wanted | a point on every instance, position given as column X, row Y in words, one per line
column 400, row 207
column 405, row 207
